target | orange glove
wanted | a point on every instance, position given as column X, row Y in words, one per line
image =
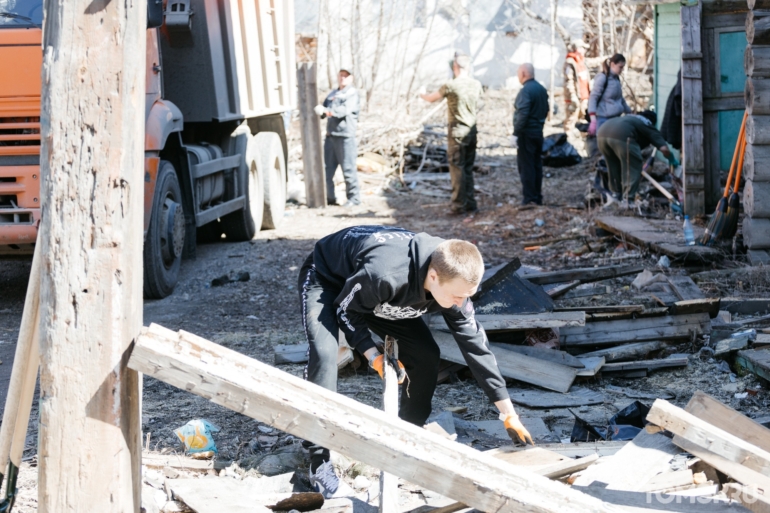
column 377, row 363
column 516, row 429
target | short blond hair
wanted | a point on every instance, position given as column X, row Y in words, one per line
column 457, row 259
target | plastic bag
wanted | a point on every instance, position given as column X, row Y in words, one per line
column 196, row 436
column 624, row 425
column 557, row 152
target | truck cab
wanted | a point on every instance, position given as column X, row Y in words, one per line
column 219, row 76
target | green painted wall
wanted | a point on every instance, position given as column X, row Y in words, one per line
column 668, row 34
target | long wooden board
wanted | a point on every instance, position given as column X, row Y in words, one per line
column 542, row 353
column 354, row 429
column 660, row 236
column 542, row 399
column 669, row 327
column 504, row 322
column 707, row 436
column 675, row 360
column 552, row 376
column 625, row 352
column 584, row 274
column 756, row 361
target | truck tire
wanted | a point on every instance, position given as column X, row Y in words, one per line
column 164, row 241
column 271, row 153
column 243, row 224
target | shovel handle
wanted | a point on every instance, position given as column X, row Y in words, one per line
column 738, row 144
column 737, row 183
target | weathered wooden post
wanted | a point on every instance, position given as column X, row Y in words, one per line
column 92, row 132
column 692, row 111
column 310, row 123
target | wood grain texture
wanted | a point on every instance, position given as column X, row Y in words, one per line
column 669, row 327
column 92, row 195
column 356, row 430
column 552, row 376
column 310, row 125
column 759, row 154
column 708, row 436
column 756, row 61
column 758, row 129
column 625, row 351
column 756, row 199
column 756, row 233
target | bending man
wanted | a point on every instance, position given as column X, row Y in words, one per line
column 384, row 279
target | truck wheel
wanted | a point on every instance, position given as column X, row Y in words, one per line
column 271, row 154
column 243, row 224
column 164, row 241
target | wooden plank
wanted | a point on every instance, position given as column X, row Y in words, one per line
column 541, row 353
column 693, row 306
column 758, row 154
column 552, row 376
column 756, row 361
column 634, row 465
column 758, row 257
column 749, row 496
column 291, row 353
column 625, row 351
column 233, row 496
column 533, row 457
column 644, row 502
column 756, row 199
column 495, row 429
column 389, row 482
column 585, row 274
column 589, row 290
column 313, row 413
column 542, row 399
column 592, row 366
column 746, row 306
column 571, row 450
column 92, row 155
column 499, row 322
column 685, row 288
column 729, row 344
column 707, row 436
column 675, row 360
column 182, row 462
column 602, row 309
column 560, row 290
column 310, row 125
column 756, row 232
column 670, row 327
column 722, row 416
column 567, row 467
column 659, row 236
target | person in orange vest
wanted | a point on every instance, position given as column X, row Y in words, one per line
column 577, row 84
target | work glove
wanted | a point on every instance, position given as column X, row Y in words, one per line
column 592, row 126
column 672, row 160
column 515, row 428
column 513, row 141
column 378, row 363
column 422, row 90
column 320, row 110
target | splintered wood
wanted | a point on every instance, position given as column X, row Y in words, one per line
column 369, row 435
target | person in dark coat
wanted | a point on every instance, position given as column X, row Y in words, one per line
column 530, row 111
column 621, row 140
column 383, row 279
column 671, row 127
column 341, row 108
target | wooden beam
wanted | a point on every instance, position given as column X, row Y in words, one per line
column 756, row 199
column 356, row 430
column 757, row 130
column 584, row 274
column 542, row 353
column 505, row 322
column 756, row 153
column 92, row 192
column 758, row 28
column 626, row 351
column 757, row 95
column 756, row 361
column 756, row 61
column 389, row 482
column 312, row 146
column 572, row 450
column 693, row 165
column 669, row 327
column 707, row 436
column 756, row 232
column 672, row 361
column 552, row 376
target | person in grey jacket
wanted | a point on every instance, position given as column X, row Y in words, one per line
column 341, row 108
column 606, row 100
column 531, row 109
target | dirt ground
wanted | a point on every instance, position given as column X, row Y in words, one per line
column 253, row 316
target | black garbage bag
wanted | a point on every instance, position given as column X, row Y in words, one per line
column 624, row 425
column 557, row 152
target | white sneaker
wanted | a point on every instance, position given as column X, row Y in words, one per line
column 325, row 480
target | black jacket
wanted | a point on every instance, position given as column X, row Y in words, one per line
column 671, row 127
column 531, row 109
column 381, row 270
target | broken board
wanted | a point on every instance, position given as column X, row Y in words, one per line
column 661, row 236
column 552, row 376
column 756, row 361
column 218, row 495
column 541, row 399
column 675, row 360
column 535, row 425
column 668, row 327
column 591, row 366
column 506, row 293
column 510, row 322
column 542, row 353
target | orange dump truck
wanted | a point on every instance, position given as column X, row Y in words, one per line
column 220, row 76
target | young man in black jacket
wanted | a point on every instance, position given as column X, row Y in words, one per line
column 384, row 279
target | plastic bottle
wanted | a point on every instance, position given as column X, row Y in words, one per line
column 689, row 237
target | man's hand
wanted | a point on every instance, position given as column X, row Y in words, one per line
column 592, row 126
column 515, row 428
column 513, row 141
column 377, row 362
column 319, row 110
